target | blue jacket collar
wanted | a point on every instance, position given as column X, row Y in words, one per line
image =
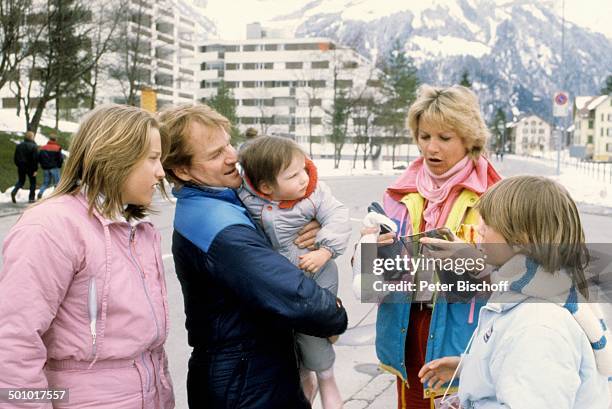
column 191, row 190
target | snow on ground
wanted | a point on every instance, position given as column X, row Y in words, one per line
column 586, row 185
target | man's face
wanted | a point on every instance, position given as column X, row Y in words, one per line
column 214, row 159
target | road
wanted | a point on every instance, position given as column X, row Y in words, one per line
column 361, row 384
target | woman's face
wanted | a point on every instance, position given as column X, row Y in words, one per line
column 441, row 148
column 140, row 184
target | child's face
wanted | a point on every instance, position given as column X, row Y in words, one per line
column 493, row 245
column 292, row 182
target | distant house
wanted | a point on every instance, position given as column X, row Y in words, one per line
column 593, row 126
column 531, row 135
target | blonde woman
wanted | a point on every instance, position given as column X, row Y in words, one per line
column 539, row 344
column 439, row 189
column 82, row 291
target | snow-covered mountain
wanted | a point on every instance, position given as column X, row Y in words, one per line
column 511, row 50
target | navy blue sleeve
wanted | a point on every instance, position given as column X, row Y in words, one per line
column 241, row 259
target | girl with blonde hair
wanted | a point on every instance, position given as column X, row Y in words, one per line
column 83, row 302
column 540, row 344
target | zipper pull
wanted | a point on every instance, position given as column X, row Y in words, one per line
column 132, row 234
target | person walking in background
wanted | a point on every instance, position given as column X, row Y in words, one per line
column 26, row 160
column 83, row 299
column 251, row 133
column 282, row 192
column 50, row 159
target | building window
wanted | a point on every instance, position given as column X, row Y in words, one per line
column 540, row 130
column 609, row 132
column 249, row 47
column 609, row 147
column 344, row 83
column 525, row 130
column 271, row 47
column 349, row 65
column 232, row 66
column 591, row 124
column 294, row 65
column 601, row 132
column 232, row 48
column 590, row 139
column 319, row 64
column 316, row 83
column 248, row 84
column 249, row 66
column 298, row 47
column 268, row 66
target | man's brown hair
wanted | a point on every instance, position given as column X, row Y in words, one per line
column 175, row 122
column 264, row 158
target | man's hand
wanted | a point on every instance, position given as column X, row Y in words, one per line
column 306, row 237
column 313, row 261
column 439, row 371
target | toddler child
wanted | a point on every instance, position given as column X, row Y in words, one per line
column 282, row 193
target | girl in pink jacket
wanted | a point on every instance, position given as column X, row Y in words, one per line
column 82, row 291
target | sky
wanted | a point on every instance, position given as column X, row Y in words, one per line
column 231, row 16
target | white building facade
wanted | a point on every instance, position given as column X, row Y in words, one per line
column 531, row 135
column 286, row 86
column 166, row 33
column 593, row 126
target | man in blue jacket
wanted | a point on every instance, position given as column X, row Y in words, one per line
column 243, row 300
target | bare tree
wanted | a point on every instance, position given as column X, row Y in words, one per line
column 19, row 35
column 107, row 17
column 133, row 46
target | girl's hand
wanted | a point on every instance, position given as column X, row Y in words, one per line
column 306, row 237
column 439, row 371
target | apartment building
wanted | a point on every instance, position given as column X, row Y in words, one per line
column 166, row 31
column 531, row 135
column 286, row 86
column 593, row 125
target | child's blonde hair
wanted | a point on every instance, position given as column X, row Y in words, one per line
column 539, row 216
column 110, row 141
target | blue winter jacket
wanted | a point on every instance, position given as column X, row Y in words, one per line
column 243, row 301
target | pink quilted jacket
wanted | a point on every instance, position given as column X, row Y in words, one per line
column 83, row 306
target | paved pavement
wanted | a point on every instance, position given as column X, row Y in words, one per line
column 361, row 383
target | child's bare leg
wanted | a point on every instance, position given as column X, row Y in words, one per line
column 309, row 384
column 330, row 394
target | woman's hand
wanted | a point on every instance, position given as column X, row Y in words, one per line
column 306, row 237
column 383, row 239
column 439, row 371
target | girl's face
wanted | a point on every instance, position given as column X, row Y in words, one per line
column 495, row 248
column 140, row 184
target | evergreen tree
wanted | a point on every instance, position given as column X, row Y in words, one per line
column 498, row 129
column 60, row 64
column 607, row 89
column 465, row 79
column 399, row 89
column 225, row 104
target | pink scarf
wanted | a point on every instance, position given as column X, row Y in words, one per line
column 436, row 188
column 478, row 180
